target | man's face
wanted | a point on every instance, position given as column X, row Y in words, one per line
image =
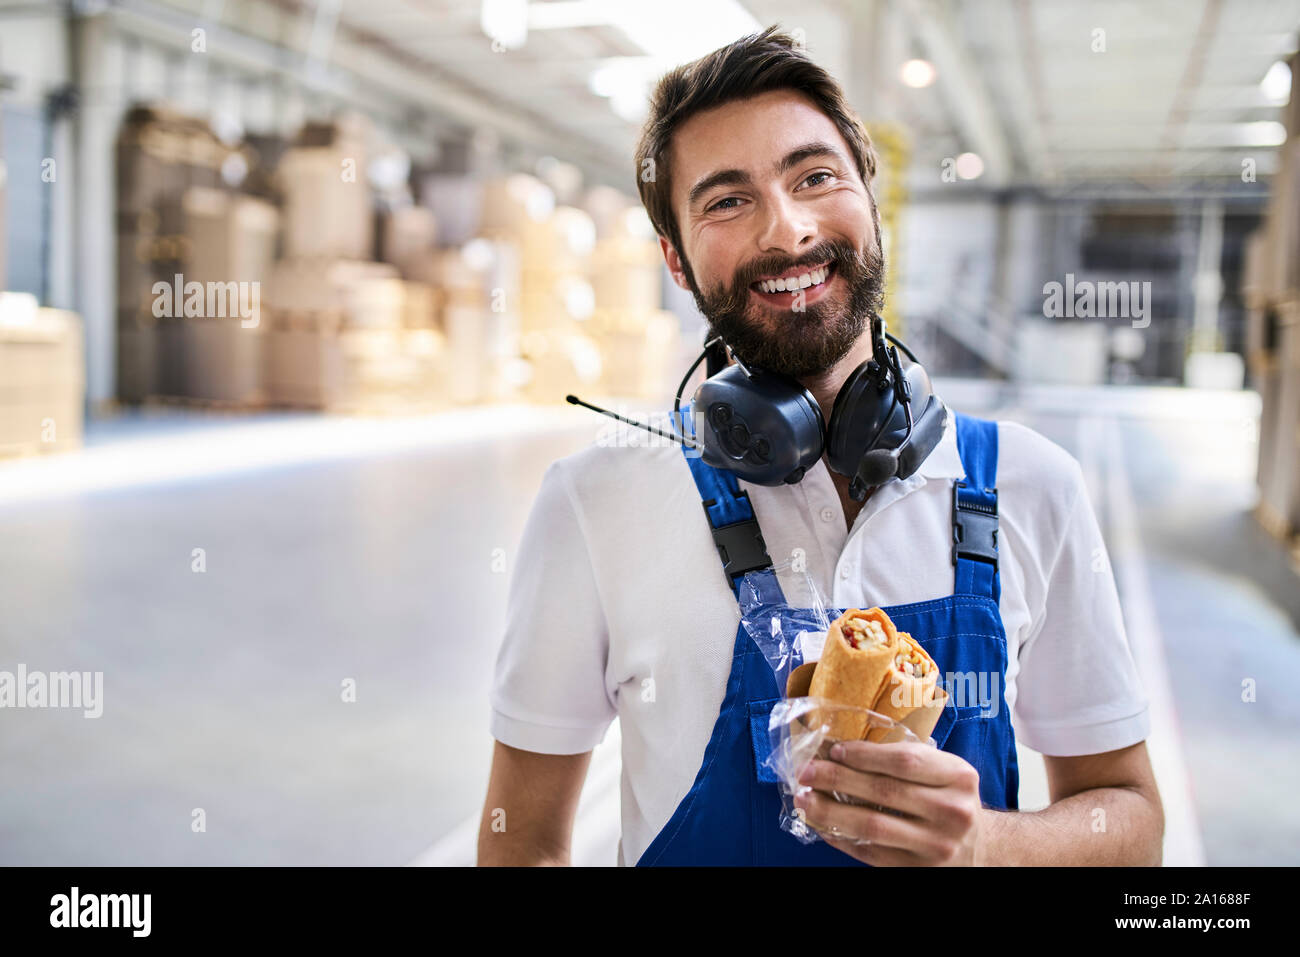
column 764, row 189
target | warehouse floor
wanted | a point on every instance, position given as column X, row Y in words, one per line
column 339, row 551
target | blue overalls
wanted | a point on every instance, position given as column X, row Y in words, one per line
column 730, row 815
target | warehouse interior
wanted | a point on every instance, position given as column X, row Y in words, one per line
column 294, row 293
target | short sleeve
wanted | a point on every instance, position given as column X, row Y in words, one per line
column 548, row 691
column 1078, row 691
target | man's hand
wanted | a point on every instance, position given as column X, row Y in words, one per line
column 936, row 793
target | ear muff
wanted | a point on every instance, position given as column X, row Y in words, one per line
column 868, row 425
column 863, row 407
column 769, row 430
column 765, row 427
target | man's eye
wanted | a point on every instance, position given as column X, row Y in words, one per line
column 815, row 175
column 718, row 204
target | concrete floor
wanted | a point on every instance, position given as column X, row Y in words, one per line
column 364, row 550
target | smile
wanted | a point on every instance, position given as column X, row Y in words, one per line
column 796, row 281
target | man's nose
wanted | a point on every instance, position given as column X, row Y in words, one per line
column 787, row 227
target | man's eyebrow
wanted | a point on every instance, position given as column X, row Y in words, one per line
column 739, row 177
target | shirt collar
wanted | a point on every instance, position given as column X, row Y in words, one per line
column 945, row 460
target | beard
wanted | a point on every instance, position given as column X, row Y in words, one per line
column 796, row 343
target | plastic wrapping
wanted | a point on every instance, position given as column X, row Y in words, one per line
column 798, row 731
column 783, row 612
column 785, row 615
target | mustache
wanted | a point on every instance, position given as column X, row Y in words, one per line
column 828, row 252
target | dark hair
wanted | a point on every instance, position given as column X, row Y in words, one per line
column 759, row 63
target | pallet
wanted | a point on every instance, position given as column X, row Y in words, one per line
column 325, row 322
column 1276, row 525
column 376, row 407
column 30, row 450
column 1279, row 529
column 21, row 450
column 224, row 406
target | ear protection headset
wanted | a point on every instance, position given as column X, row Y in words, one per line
column 769, row 430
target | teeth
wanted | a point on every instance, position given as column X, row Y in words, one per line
column 814, row 278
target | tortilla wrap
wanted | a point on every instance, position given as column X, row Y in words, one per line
column 910, row 686
column 859, row 655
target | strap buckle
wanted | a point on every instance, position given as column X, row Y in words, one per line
column 740, row 545
column 974, row 526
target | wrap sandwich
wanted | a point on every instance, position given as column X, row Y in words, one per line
column 855, row 665
column 911, row 695
column 867, row 663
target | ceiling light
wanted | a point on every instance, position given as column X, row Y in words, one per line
column 969, row 166
column 1264, row 133
column 626, row 81
column 682, row 30
column 917, row 73
column 1276, row 84
column 656, row 29
column 505, row 21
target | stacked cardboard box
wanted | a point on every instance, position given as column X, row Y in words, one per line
column 328, row 206
column 160, row 155
column 42, row 377
column 517, row 212
column 555, row 300
column 1278, row 382
column 407, row 239
column 347, row 333
column 1271, row 289
column 639, row 340
column 639, row 357
column 355, row 370
column 479, row 284
column 230, row 245
column 4, row 176
column 330, row 293
column 421, row 306
column 556, row 296
column 262, row 154
column 626, row 274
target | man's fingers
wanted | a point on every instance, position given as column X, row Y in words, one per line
column 918, row 763
column 874, row 854
column 837, row 819
column 838, row 778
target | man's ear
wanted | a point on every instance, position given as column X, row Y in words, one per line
column 674, row 262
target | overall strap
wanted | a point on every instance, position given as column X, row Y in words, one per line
column 736, row 534
column 975, row 509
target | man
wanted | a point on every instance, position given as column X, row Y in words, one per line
column 618, row 607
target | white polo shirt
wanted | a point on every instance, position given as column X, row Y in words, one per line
column 619, row 607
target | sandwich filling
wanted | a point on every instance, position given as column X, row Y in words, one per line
column 864, row 633
column 912, row 661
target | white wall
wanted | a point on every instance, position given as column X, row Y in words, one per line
column 947, row 246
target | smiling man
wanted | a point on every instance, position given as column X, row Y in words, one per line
column 757, row 178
